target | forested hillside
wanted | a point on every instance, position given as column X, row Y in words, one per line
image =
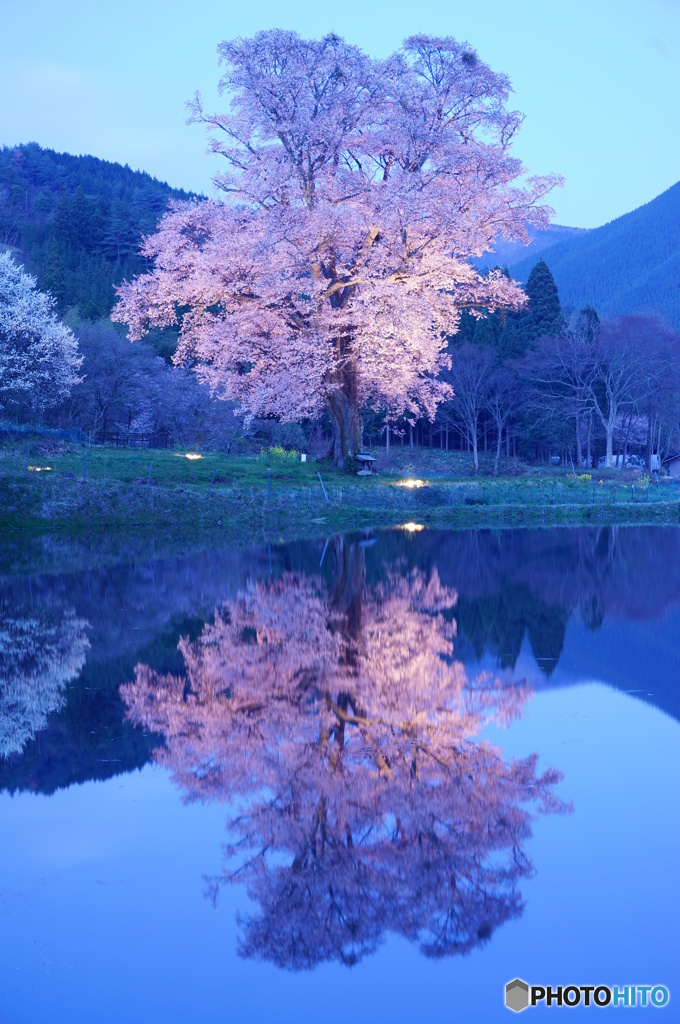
column 509, row 253
column 631, row 265
column 76, row 222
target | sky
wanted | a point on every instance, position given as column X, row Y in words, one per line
column 597, row 80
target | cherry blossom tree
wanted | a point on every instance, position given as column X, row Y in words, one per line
column 356, row 192
column 342, row 731
column 39, row 358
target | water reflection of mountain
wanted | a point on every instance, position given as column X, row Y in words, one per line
column 340, row 731
column 133, row 611
column 622, row 572
column 578, row 599
column 592, row 603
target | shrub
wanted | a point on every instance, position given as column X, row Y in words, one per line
column 582, row 478
column 278, row 454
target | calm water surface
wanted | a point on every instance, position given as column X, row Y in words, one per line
column 371, row 780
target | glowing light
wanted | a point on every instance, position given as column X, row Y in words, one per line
column 412, row 527
column 40, row 469
column 410, row 483
column 188, row 455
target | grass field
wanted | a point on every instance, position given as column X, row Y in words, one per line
column 104, row 494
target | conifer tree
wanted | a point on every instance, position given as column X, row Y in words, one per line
column 544, row 313
column 54, row 279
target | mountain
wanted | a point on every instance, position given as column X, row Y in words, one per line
column 507, row 253
column 76, row 222
column 630, row 265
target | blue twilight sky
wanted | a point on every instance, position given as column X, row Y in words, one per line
column 598, row 80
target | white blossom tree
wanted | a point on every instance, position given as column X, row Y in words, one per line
column 39, row 359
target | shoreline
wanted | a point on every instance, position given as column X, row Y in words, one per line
column 122, row 500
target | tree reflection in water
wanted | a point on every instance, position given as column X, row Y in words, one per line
column 343, row 733
column 40, row 652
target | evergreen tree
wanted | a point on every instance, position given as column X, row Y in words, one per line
column 544, row 313
column 54, row 278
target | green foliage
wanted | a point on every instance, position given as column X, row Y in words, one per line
column 579, row 478
column 278, row 454
column 77, row 222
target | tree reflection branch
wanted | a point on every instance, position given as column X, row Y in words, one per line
column 346, row 738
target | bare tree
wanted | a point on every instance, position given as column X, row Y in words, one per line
column 612, row 371
column 112, row 383
column 658, row 399
column 558, row 375
column 618, row 368
column 470, row 375
column 499, row 403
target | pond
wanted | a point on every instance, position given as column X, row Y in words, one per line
column 374, row 777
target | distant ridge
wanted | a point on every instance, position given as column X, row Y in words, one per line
column 630, row 265
column 509, row 253
column 77, row 222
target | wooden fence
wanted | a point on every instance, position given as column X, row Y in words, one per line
column 132, row 439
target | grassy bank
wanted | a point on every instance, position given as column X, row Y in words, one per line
column 104, row 495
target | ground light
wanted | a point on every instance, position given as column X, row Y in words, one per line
column 411, row 527
column 411, row 483
column 39, row 469
column 188, row 455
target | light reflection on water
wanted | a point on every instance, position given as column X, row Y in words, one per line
column 345, row 723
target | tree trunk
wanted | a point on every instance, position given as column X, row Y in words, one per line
column 610, row 444
column 474, row 448
column 387, row 439
column 447, row 435
column 410, row 435
column 625, row 443
column 579, row 453
column 348, row 585
column 650, row 442
column 345, row 417
column 498, row 451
